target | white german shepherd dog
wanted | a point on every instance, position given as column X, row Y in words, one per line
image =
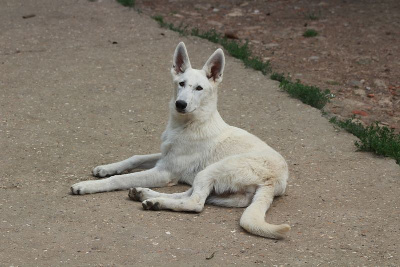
column 225, row 165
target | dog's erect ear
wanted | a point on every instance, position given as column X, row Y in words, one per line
column 214, row 66
column 181, row 60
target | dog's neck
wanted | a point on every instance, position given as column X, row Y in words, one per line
column 205, row 125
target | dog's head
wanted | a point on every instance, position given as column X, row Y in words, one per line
column 196, row 90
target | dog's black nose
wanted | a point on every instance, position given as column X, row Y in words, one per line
column 180, row 105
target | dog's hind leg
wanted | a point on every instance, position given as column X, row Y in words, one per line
column 234, row 200
column 141, row 194
column 134, row 162
column 202, row 187
column 150, row 178
column 221, row 176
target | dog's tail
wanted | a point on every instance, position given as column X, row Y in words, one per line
column 253, row 220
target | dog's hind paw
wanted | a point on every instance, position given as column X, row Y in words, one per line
column 151, row 205
column 135, row 194
column 141, row 194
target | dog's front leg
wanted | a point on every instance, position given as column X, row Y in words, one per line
column 150, row 178
column 134, row 162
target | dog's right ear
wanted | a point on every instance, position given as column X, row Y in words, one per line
column 181, row 60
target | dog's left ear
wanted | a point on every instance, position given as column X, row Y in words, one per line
column 214, row 66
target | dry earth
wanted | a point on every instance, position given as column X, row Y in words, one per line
column 355, row 55
column 85, row 83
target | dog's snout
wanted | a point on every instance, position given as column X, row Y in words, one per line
column 180, row 105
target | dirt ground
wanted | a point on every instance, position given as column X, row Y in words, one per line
column 86, row 83
column 355, row 55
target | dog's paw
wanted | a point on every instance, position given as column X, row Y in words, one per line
column 135, row 194
column 85, row 187
column 151, row 205
column 78, row 189
column 139, row 194
column 105, row 170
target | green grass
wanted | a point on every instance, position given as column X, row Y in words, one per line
column 180, row 29
column 277, row 76
column 374, row 138
column 236, row 49
column 310, row 95
column 127, row 3
column 210, row 35
column 313, row 16
column 310, row 33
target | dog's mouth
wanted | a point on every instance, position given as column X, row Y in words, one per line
column 184, row 111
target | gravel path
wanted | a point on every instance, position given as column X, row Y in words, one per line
column 85, row 83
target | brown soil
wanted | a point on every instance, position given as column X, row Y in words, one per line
column 355, row 55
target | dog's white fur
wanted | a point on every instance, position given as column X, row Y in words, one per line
column 225, row 165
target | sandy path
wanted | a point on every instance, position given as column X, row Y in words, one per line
column 70, row 99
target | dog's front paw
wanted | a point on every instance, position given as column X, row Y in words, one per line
column 78, row 189
column 151, row 205
column 85, row 187
column 105, row 170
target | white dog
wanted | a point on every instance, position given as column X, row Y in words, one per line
column 225, row 165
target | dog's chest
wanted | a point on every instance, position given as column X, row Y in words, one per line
column 185, row 156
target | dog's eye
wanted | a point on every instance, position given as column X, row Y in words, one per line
column 199, row 88
column 182, row 84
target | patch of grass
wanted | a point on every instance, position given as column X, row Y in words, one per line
column 210, row 35
column 310, row 95
column 310, row 33
column 127, row 3
column 374, row 138
column 277, row 76
column 160, row 21
column 180, row 29
column 234, row 48
column 313, row 16
column 258, row 64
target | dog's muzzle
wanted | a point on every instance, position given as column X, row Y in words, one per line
column 180, row 106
